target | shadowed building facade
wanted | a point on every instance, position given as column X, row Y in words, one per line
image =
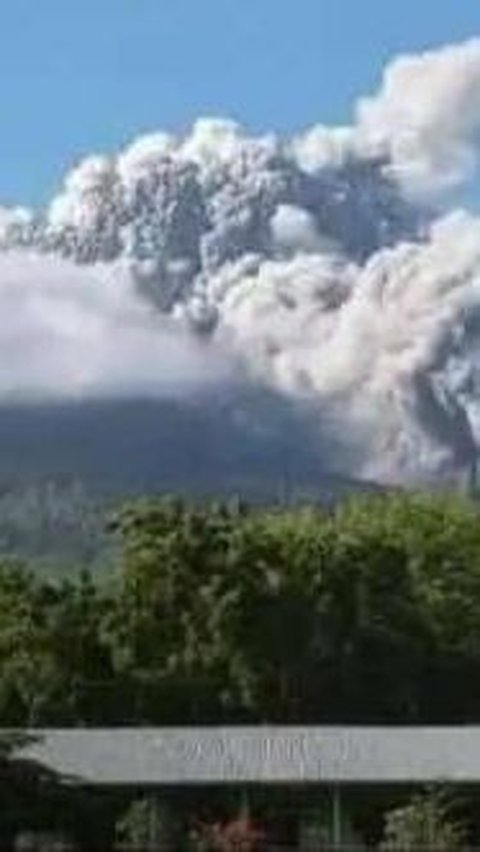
column 329, row 775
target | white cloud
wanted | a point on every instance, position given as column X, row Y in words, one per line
column 424, row 121
column 295, row 231
column 427, row 116
column 73, row 333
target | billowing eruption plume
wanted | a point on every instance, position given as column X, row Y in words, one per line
column 326, row 268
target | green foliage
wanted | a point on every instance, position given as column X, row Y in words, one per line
column 219, row 613
column 425, row 823
column 50, row 645
column 300, row 615
column 147, row 824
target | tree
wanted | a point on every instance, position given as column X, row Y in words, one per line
column 147, row 824
column 436, row 539
column 27, row 787
column 218, row 613
column 425, row 823
column 293, row 615
column 168, row 634
column 52, row 650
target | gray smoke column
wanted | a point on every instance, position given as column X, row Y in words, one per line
column 319, row 266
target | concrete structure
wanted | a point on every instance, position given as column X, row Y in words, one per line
column 333, row 759
column 262, row 755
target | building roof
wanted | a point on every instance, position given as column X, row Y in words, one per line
column 263, row 754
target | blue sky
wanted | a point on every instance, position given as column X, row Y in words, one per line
column 85, row 76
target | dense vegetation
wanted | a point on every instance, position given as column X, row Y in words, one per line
column 220, row 613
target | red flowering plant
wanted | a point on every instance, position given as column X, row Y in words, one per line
column 237, row 835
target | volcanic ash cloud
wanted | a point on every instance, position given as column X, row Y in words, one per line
column 332, row 268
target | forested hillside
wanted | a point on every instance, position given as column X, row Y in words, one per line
column 56, row 522
column 63, row 468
